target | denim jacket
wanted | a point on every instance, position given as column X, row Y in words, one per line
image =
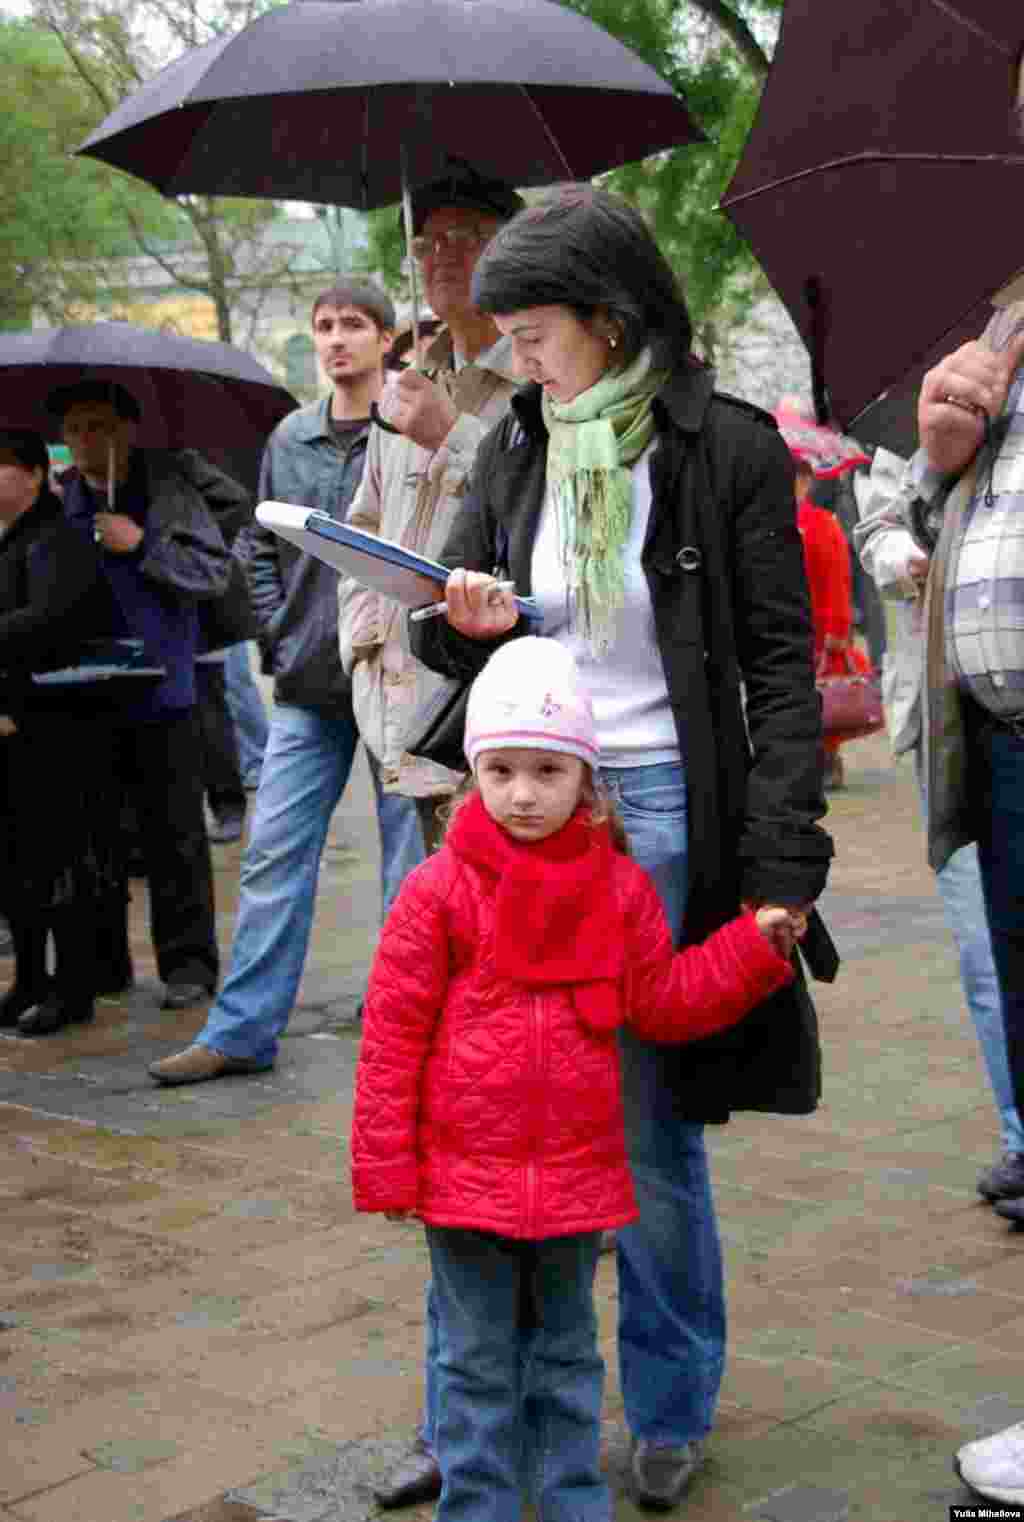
column 294, row 595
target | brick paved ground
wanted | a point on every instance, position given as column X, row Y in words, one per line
column 194, row 1324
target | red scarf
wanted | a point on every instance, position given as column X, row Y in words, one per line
column 557, row 920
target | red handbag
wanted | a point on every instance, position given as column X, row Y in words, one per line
column 851, row 703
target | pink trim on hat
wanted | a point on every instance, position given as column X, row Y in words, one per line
column 531, row 739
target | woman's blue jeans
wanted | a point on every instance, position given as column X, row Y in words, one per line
column 519, row 1377
column 672, row 1323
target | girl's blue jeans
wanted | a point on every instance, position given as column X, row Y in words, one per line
column 519, row 1377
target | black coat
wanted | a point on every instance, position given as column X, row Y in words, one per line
column 53, row 597
column 725, row 571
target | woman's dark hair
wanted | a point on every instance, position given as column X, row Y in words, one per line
column 584, row 249
column 27, row 447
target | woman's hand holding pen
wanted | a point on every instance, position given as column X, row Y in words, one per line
column 479, row 606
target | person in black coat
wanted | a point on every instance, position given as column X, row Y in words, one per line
column 653, row 521
column 58, row 797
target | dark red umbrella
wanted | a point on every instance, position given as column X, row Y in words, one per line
column 882, row 185
column 318, row 100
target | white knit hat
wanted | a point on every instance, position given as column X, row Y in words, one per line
column 529, row 697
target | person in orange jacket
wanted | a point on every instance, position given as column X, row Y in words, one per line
column 830, row 584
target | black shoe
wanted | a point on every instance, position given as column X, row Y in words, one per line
column 1005, row 1179
column 417, row 1478
column 1010, row 1210
column 53, row 1014
column 226, row 827
column 17, row 1002
column 659, row 1476
column 181, row 995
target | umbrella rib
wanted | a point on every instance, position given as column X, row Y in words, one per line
column 971, row 25
column 538, row 113
column 857, row 160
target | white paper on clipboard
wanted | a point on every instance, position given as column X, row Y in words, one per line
column 381, row 564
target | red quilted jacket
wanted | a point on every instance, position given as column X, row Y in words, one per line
column 487, row 1090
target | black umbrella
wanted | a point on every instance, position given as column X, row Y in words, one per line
column 319, row 100
column 882, row 185
column 193, row 394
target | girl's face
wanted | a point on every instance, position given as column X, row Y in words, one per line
column 530, row 793
column 557, row 349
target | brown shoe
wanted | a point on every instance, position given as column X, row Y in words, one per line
column 196, row 1064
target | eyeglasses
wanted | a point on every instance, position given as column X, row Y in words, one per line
column 457, row 240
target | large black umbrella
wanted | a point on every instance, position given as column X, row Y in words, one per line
column 319, row 100
column 882, row 185
column 193, row 394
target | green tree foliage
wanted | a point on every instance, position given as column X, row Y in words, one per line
column 716, row 54
column 59, row 221
column 65, row 217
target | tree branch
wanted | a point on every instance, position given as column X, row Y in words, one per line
column 739, row 34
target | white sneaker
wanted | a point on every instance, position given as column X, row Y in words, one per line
column 994, row 1466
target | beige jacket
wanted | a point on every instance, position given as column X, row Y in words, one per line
column 410, row 495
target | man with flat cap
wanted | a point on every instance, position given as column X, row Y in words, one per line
column 413, row 485
column 162, row 521
column 416, row 477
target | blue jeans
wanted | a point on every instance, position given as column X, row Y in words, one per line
column 963, row 898
column 308, row 761
column 248, row 715
column 671, row 1291
column 520, row 1378
column 997, row 792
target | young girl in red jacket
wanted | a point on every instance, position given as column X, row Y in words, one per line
column 487, row 1091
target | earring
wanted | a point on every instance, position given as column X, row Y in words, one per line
column 612, row 341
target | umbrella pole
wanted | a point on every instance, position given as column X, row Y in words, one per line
column 414, row 294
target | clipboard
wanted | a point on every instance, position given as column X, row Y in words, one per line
column 381, row 564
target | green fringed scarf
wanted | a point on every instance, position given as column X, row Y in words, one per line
column 592, row 442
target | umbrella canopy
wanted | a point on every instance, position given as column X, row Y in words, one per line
column 317, row 100
column 193, row 394
column 828, row 452
column 882, row 185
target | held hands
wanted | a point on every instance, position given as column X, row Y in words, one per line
column 418, row 408
column 477, row 607
column 117, row 532
column 783, row 927
column 955, row 397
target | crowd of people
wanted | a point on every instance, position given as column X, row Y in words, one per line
column 592, row 906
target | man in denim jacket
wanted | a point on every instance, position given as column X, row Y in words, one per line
column 314, row 458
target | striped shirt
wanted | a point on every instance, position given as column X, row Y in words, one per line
column 985, row 590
